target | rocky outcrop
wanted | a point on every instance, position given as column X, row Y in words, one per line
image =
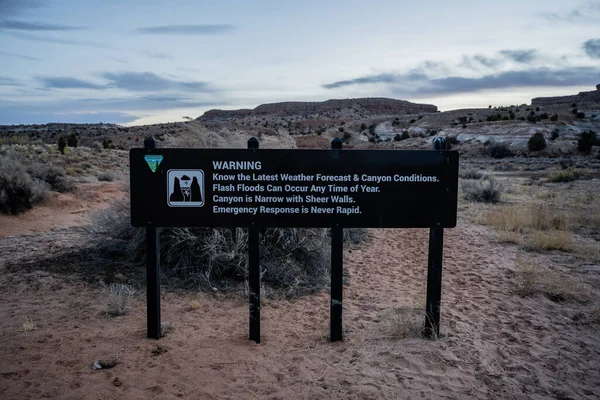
column 373, row 106
column 585, row 97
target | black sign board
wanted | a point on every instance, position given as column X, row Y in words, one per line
column 293, row 188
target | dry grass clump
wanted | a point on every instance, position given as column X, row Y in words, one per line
column 566, row 175
column 509, row 237
column 549, row 240
column 403, row 322
column 514, row 218
column 193, row 305
column 119, row 298
column 470, row 173
column 534, row 279
column 485, row 190
column 166, row 328
column 28, row 326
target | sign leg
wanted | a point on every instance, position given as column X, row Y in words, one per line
column 153, row 282
column 337, row 284
column 254, row 282
column 434, row 282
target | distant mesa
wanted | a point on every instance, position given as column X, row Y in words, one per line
column 373, row 106
column 583, row 97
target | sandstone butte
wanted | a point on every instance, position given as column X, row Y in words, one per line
column 585, row 97
column 374, row 106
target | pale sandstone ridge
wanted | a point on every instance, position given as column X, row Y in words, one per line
column 374, row 106
column 585, row 97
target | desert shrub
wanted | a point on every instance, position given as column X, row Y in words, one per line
column 293, row 261
column 347, row 135
column 105, row 176
column 554, row 118
column 354, row 235
column 586, row 141
column 53, row 175
column 544, row 116
column 498, row 150
column 397, row 137
column 18, row 190
column 470, row 173
column 566, row 175
column 580, row 114
column 405, row 135
column 451, row 139
column 537, row 142
column 555, row 134
column 118, row 296
column 486, row 190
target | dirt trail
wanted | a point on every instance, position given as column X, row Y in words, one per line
column 62, row 210
column 497, row 344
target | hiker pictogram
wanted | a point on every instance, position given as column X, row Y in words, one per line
column 185, row 188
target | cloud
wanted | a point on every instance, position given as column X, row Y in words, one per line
column 588, row 12
column 379, row 78
column 150, row 82
column 476, row 61
column 520, row 56
column 9, row 82
column 68, row 83
column 160, row 56
column 15, row 7
column 47, row 39
column 11, row 24
column 198, row 29
column 91, row 110
column 488, row 62
column 592, row 48
column 403, row 84
column 21, row 56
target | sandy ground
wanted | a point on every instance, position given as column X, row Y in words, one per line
column 496, row 344
column 62, row 210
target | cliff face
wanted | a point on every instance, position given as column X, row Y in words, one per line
column 374, row 106
column 587, row 97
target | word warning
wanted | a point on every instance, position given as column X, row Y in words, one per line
column 294, row 188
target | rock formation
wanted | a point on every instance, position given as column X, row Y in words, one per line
column 373, row 106
column 585, row 97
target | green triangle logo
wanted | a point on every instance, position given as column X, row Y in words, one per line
column 153, row 161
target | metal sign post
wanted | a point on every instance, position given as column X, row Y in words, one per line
column 152, row 270
column 337, row 272
column 434, row 270
column 254, row 270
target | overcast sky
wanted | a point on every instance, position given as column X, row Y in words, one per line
column 149, row 61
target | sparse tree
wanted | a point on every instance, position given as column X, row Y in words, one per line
column 72, row 140
column 62, row 143
column 537, row 142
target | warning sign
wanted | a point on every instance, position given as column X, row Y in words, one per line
column 185, row 188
